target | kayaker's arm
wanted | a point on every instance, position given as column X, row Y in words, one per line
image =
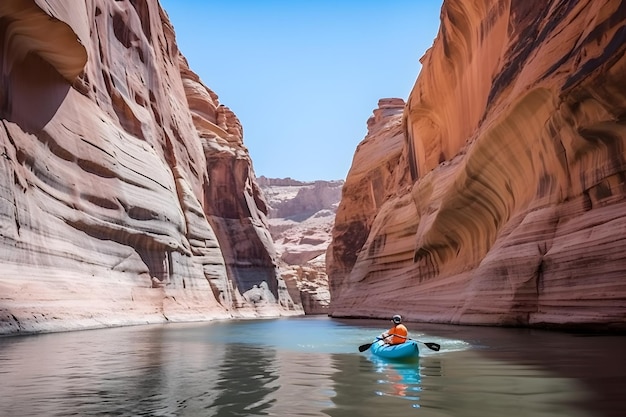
column 396, row 335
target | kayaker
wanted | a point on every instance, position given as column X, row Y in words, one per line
column 397, row 334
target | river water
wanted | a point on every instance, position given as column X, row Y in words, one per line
column 310, row 366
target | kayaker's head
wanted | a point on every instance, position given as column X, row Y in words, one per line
column 397, row 319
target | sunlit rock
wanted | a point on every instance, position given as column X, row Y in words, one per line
column 127, row 195
column 311, row 283
column 368, row 185
column 505, row 202
column 301, row 216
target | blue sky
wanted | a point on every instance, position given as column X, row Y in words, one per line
column 303, row 76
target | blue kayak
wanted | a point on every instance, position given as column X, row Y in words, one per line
column 403, row 351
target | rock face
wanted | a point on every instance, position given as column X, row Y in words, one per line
column 498, row 197
column 301, row 216
column 126, row 193
column 371, row 180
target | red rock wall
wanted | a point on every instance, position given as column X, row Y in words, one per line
column 126, row 193
column 514, row 144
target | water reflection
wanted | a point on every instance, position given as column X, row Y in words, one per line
column 245, row 381
column 452, row 384
column 398, row 379
column 352, row 378
column 307, row 368
column 304, row 385
column 365, row 388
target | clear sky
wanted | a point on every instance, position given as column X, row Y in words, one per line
column 303, row 76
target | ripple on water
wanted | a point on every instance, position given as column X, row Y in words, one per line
column 304, row 367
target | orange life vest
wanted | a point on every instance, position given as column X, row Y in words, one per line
column 397, row 331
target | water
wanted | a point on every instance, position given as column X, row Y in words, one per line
column 310, row 367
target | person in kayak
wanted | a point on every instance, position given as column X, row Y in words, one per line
column 397, row 334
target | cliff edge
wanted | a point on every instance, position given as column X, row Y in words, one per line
column 127, row 195
column 498, row 196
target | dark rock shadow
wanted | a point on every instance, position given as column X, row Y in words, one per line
column 32, row 91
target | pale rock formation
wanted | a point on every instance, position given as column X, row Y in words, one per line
column 504, row 204
column 301, row 216
column 126, row 193
column 311, row 283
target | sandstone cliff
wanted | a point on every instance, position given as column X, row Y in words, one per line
column 301, row 216
column 126, row 193
column 497, row 198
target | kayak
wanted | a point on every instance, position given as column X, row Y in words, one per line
column 403, row 351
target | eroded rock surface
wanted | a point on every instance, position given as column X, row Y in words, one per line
column 498, row 197
column 126, row 193
column 301, row 216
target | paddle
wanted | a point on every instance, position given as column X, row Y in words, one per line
column 430, row 345
column 366, row 346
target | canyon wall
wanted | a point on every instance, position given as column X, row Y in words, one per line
column 126, row 193
column 301, row 217
column 498, row 196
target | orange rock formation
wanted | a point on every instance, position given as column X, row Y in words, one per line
column 498, row 197
column 126, row 193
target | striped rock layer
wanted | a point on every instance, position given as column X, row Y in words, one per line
column 496, row 196
column 126, row 193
